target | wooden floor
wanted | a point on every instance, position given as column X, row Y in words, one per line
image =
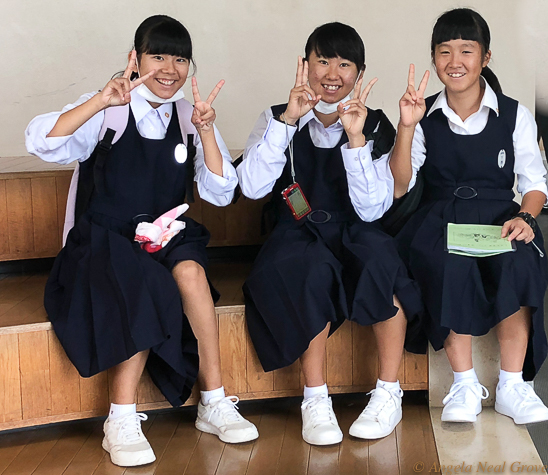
column 75, row 448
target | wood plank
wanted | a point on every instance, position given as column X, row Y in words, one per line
column 339, row 356
column 206, row 456
column 12, row 444
column 295, row 452
column 66, row 448
column 288, row 377
column 257, row 379
column 214, row 219
column 20, row 228
column 10, row 383
column 44, row 214
column 90, row 454
column 94, row 393
column 243, row 221
column 354, row 452
column 147, row 390
column 35, row 374
column 324, row 460
column 4, row 240
column 65, row 381
column 266, row 451
column 383, row 456
column 416, row 368
column 62, row 184
column 365, row 370
column 233, row 352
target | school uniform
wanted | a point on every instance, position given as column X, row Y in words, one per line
column 106, row 297
column 333, row 265
column 469, row 170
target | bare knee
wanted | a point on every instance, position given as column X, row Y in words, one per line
column 189, row 275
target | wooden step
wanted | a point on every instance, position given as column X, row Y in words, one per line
column 39, row 385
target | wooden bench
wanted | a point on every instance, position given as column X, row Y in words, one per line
column 39, row 385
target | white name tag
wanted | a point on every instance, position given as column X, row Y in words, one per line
column 181, row 153
column 502, row 158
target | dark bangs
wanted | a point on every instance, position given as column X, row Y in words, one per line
column 461, row 24
column 336, row 39
column 161, row 34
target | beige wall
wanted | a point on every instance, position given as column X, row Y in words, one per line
column 53, row 51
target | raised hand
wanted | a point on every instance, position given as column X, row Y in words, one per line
column 204, row 115
column 116, row 92
column 302, row 98
column 353, row 112
column 412, row 104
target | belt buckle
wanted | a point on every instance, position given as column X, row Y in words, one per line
column 327, row 216
column 142, row 218
column 473, row 190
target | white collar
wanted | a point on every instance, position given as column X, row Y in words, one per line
column 305, row 119
column 489, row 100
column 140, row 107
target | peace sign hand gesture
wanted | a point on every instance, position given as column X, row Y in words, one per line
column 412, row 104
column 302, row 98
column 204, row 115
column 116, row 92
column 353, row 113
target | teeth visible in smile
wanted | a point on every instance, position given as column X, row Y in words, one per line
column 456, row 75
column 331, row 88
column 165, row 82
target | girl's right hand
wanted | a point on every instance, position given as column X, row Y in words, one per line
column 116, row 92
column 412, row 104
column 302, row 98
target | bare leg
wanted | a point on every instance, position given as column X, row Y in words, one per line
column 459, row 351
column 513, row 335
column 313, row 358
column 198, row 307
column 126, row 378
column 390, row 336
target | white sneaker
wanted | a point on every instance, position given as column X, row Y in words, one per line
column 520, row 402
column 125, row 442
column 463, row 403
column 381, row 415
column 221, row 417
column 320, row 426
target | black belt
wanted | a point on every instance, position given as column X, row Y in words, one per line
column 466, row 192
column 320, row 216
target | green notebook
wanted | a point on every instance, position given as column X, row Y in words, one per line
column 477, row 240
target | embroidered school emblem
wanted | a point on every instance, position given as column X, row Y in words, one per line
column 502, row 158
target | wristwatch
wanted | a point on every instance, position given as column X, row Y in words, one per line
column 528, row 218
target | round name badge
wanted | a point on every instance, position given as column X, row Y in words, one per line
column 502, row 158
column 181, row 153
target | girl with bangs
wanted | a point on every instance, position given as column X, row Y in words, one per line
column 470, row 142
column 120, row 300
column 323, row 152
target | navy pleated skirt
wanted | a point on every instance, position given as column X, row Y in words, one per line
column 308, row 275
column 108, row 299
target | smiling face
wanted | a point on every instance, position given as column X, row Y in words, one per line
column 459, row 64
column 332, row 78
column 171, row 73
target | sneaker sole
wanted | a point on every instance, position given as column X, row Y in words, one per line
column 519, row 420
column 356, row 433
column 130, row 460
column 450, row 418
column 329, row 442
column 211, row 429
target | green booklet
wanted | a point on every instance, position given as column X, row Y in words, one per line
column 477, row 240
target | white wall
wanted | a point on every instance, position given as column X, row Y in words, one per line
column 53, row 51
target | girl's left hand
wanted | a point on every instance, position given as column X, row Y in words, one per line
column 204, row 115
column 517, row 229
column 353, row 113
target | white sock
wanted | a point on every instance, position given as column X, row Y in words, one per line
column 514, row 377
column 207, row 396
column 389, row 386
column 315, row 391
column 469, row 376
column 119, row 410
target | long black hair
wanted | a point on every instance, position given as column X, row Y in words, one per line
column 465, row 24
column 337, row 39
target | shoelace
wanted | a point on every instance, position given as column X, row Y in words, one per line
column 376, row 404
column 130, row 427
column 459, row 396
column 227, row 408
column 524, row 390
column 319, row 408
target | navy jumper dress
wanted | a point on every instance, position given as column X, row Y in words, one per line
column 466, row 294
column 106, row 297
column 309, row 273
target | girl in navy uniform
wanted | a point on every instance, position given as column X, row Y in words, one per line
column 334, row 263
column 112, row 303
column 470, row 142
